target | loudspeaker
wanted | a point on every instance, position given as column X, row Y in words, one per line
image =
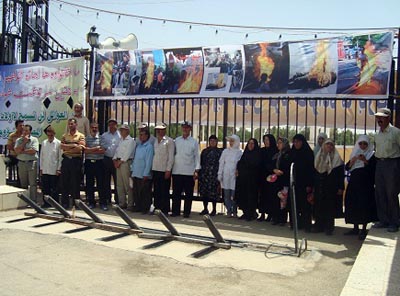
column 107, row 43
column 129, row 42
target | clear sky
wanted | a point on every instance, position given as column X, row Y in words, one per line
column 70, row 27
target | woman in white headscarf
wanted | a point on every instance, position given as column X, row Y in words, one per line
column 360, row 206
column 320, row 140
column 329, row 185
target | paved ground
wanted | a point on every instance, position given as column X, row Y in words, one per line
column 47, row 261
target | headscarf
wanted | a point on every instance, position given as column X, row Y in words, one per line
column 251, row 158
column 236, row 143
column 303, row 159
column 285, row 149
column 317, row 147
column 368, row 152
column 272, row 149
column 325, row 162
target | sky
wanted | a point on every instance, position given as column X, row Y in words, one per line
column 69, row 26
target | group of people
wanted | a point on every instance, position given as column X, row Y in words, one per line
column 256, row 180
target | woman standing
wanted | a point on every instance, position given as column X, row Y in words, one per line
column 360, row 206
column 208, row 181
column 303, row 158
column 227, row 173
column 266, row 198
column 249, row 167
column 329, row 185
column 282, row 162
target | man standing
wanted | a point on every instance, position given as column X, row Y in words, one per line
column 12, row 138
column 387, row 185
column 185, row 170
column 144, row 126
column 82, row 122
column 141, row 172
column 72, row 144
column 164, row 152
column 27, row 148
column 122, row 162
column 94, row 169
column 109, row 141
column 50, row 164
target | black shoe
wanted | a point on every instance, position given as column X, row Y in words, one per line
column 92, row 206
column 104, row 207
column 393, row 228
column 316, row 230
column 329, row 232
column 352, row 232
column 174, row 215
column 261, row 218
column 380, row 225
column 204, row 212
column 275, row 223
column 213, row 212
column 243, row 217
column 186, row 215
column 362, row 235
column 269, row 218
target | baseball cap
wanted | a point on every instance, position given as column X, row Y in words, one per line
column 384, row 112
column 160, row 125
column 112, row 120
column 124, row 126
column 143, row 125
column 187, row 123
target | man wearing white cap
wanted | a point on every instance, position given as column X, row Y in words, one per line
column 387, row 185
column 185, row 170
column 122, row 161
column 164, row 152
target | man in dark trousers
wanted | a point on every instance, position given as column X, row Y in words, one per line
column 387, row 185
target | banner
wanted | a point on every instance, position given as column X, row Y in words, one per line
column 356, row 66
column 40, row 93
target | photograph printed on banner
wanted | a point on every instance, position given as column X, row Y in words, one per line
column 223, row 70
column 313, row 67
column 364, row 64
column 153, row 72
column 267, row 68
column 184, row 72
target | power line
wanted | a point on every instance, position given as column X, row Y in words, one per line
column 298, row 29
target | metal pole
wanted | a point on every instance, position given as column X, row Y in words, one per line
column 293, row 206
column 88, row 211
column 32, row 204
column 57, row 206
column 125, row 217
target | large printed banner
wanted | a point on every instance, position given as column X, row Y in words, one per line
column 356, row 66
column 40, row 93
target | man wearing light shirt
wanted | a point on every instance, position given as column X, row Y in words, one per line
column 185, row 170
column 141, row 172
column 27, row 148
column 387, row 185
column 50, row 164
column 109, row 141
column 122, row 162
column 164, row 153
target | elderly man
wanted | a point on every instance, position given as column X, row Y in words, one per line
column 82, row 121
column 122, row 162
column 387, row 185
column 27, row 148
column 50, row 164
column 110, row 141
column 72, row 144
column 144, row 126
column 141, row 173
column 185, row 170
column 94, row 168
column 164, row 152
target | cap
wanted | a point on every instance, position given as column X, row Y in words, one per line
column 143, row 125
column 160, row 125
column 384, row 112
column 187, row 123
column 124, row 126
column 112, row 120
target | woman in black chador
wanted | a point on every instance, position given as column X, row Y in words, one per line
column 208, row 176
column 247, row 183
column 303, row 158
column 329, row 185
column 266, row 198
column 280, row 187
column 360, row 206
